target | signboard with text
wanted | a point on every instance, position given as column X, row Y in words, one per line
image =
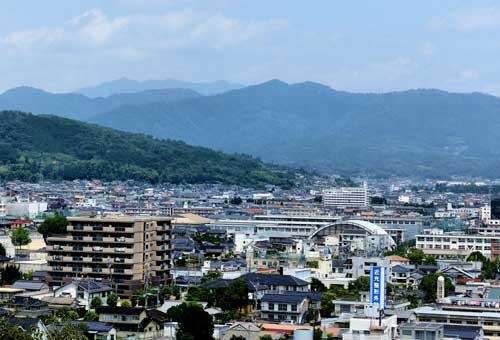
column 377, row 286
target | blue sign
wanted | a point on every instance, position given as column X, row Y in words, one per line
column 377, row 286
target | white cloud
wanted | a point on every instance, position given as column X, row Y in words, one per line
column 168, row 31
column 481, row 19
column 470, row 74
column 427, row 49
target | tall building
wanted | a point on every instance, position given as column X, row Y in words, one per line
column 346, row 197
column 125, row 251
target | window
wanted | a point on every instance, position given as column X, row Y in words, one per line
column 282, row 307
column 294, row 308
column 271, row 306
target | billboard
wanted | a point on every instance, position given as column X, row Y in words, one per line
column 377, row 286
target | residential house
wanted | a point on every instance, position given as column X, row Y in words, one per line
column 84, row 291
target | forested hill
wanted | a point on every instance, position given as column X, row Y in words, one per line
column 428, row 133
column 64, row 149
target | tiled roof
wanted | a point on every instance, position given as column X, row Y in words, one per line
column 29, row 285
column 283, row 298
column 93, row 286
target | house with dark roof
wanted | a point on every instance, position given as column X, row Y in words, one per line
column 93, row 330
column 84, row 291
column 30, row 285
column 260, row 284
column 134, row 321
column 284, row 307
column 28, row 325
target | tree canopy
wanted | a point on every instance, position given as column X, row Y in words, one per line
column 429, row 286
column 53, row 225
column 194, row 321
column 20, row 237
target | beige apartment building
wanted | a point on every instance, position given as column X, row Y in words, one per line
column 124, row 252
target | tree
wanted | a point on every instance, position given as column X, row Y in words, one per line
column 361, row 284
column 91, row 316
column 233, row 297
column 476, row 256
column 318, row 334
column 200, row 294
column 10, row 274
column 327, row 306
column 429, row 286
column 7, row 332
column 317, row 285
column 236, row 200
column 266, row 337
column 416, row 256
column 211, row 275
column 3, row 252
column 53, row 225
column 194, row 321
column 430, row 260
column 96, row 302
column 68, row 332
column 66, row 314
column 20, row 237
column 237, row 337
column 125, row 303
column 112, row 299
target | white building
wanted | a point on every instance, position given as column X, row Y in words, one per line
column 438, row 243
column 372, row 328
column 346, row 197
column 25, row 209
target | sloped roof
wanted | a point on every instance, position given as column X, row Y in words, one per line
column 29, row 285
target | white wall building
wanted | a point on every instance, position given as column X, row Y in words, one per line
column 25, row 209
column 437, row 243
column 346, row 197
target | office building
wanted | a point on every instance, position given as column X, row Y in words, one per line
column 126, row 252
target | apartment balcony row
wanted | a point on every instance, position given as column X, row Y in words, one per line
column 75, row 238
column 93, row 249
column 107, row 229
column 89, row 259
column 90, row 270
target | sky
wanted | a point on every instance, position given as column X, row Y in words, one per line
column 360, row 46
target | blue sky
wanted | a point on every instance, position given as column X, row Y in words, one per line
column 362, row 46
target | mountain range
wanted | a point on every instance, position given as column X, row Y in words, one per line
column 429, row 133
column 32, row 146
column 126, row 85
column 77, row 106
column 422, row 132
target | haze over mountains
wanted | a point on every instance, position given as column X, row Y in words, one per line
column 77, row 106
column 126, row 85
column 427, row 133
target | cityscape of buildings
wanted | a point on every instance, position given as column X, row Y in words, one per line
column 306, row 257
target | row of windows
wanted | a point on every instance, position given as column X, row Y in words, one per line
column 282, row 307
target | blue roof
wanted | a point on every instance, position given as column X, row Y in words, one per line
column 283, row 298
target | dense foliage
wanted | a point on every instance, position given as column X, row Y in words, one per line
column 194, row 321
column 62, row 149
column 20, row 237
column 53, row 225
column 429, row 133
column 429, row 286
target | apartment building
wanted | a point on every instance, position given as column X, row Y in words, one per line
column 123, row 251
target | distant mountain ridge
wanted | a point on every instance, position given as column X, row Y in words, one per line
column 126, row 85
column 429, row 133
column 77, row 106
column 32, row 146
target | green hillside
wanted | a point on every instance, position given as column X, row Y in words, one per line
column 64, row 149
